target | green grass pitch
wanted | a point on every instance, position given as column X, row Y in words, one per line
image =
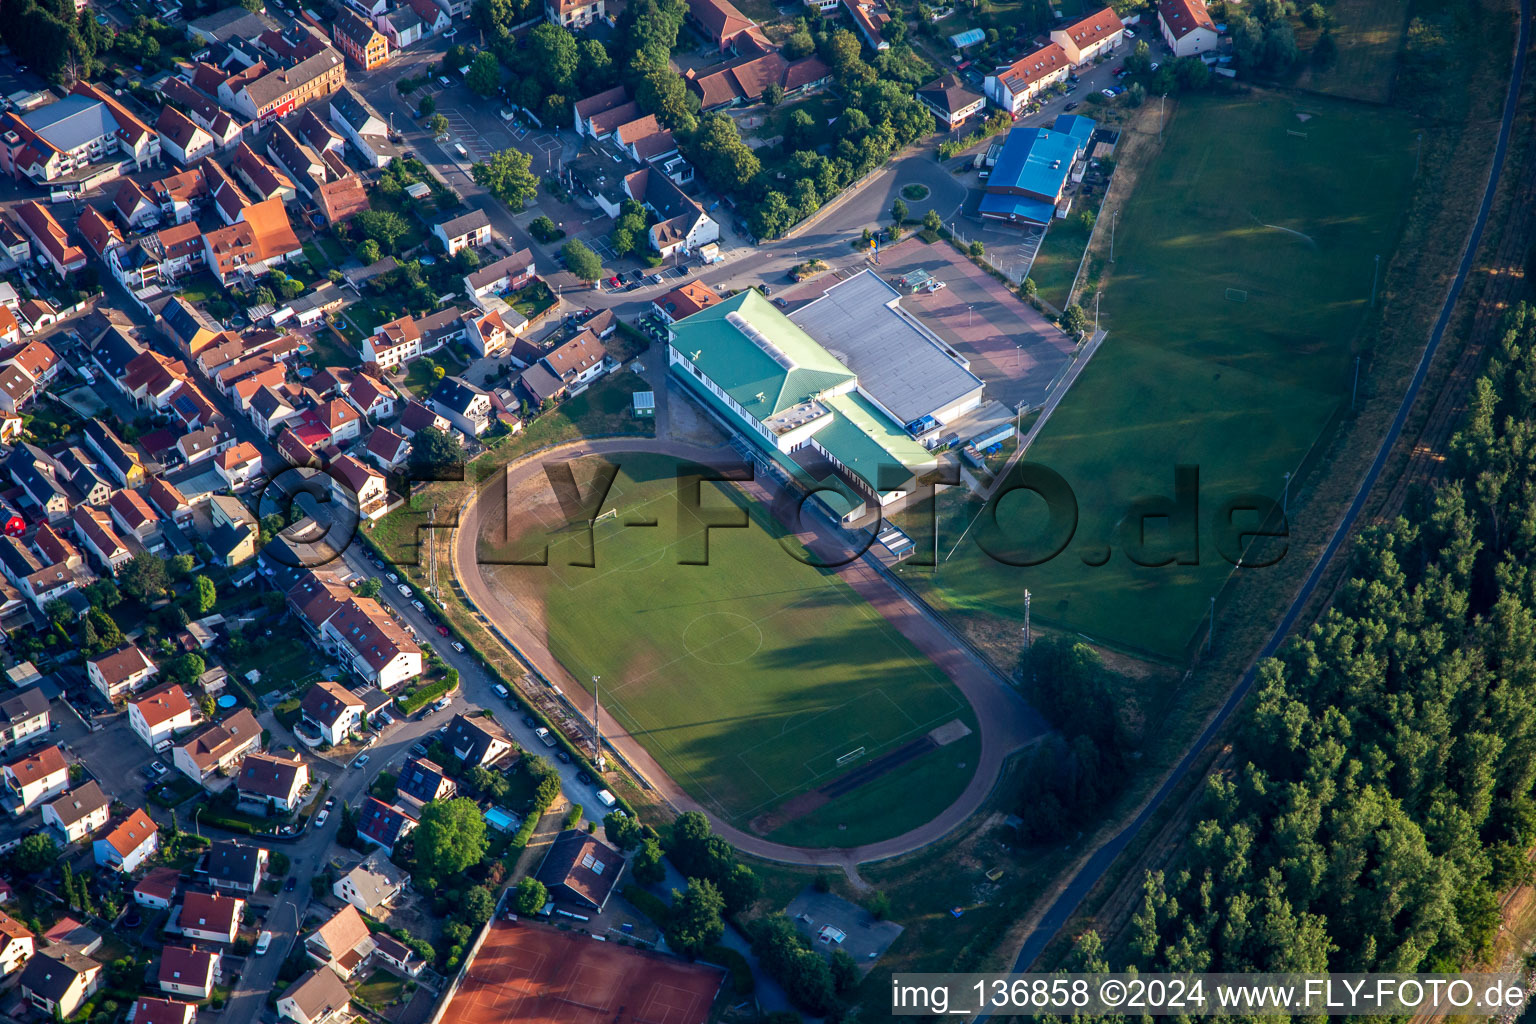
column 1247, row 199
column 748, row 677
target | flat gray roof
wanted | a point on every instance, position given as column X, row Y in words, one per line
column 72, row 121
column 898, row 362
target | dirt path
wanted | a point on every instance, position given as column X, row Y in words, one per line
column 1006, row 722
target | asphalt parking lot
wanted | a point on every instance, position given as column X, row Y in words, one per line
column 115, row 754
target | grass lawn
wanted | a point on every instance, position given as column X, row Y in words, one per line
column 201, row 288
column 329, row 349
column 1056, row 263
column 283, row 666
column 1241, row 387
column 334, row 250
column 381, row 989
column 1369, row 34
column 746, row 678
column 532, row 299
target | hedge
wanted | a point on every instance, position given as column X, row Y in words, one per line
column 227, row 824
column 741, row 971
column 647, row 902
column 424, row 696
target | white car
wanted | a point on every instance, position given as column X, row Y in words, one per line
column 458, row 647
column 263, row 943
column 405, row 591
column 1107, row 92
column 320, row 818
column 1129, row 34
column 419, row 607
column 393, row 578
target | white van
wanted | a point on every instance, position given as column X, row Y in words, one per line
column 500, row 691
column 263, row 943
column 606, row 798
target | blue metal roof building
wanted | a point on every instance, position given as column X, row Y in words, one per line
column 970, row 37
column 1031, row 171
column 1079, row 127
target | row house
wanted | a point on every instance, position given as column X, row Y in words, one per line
column 182, row 139
column 49, row 238
column 261, row 238
column 260, row 176
column 134, row 208
column 357, row 37
column 219, row 747
column 275, row 94
column 38, row 583
column 224, row 129
column 93, row 528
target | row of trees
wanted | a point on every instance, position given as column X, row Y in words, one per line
column 1385, row 792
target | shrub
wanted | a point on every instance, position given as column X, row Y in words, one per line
column 648, row 903
column 741, row 971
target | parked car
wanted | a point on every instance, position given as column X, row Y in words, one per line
column 1108, row 92
column 500, row 691
column 584, row 778
column 442, row 630
column 330, row 802
column 458, row 647
column 321, row 818
column 419, row 749
column 405, row 591
column 1070, row 106
column 393, row 578
column 419, row 606
column 157, row 768
column 361, row 762
column 263, row 943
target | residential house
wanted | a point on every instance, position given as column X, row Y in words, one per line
column 204, row 112
column 1015, row 86
column 260, row 176
column 341, row 200
column 24, row 718
column 64, row 138
column 362, row 126
column 359, row 487
column 160, row 714
column 725, row 27
column 476, row 741
column 1187, row 27
column 507, row 274
column 371, row 885
column 239, row 466
column 386, row 449
column 158, row 890
column 596, row 104
column 272, row 94
column 154, row 1010
column 332, row 709
column 684, row 300
column 393, row 344
column 218, row 748
column 17, row 944
column 416, row 416
column 123, row 670
column 248, row 248
column 578, row 361
column 271, row 785
column 424, row 781
column 356, row 37
column 398, row 955
column 170, row 502
column 135, row 518
column 383, row 825
column 78, row 813
column 371, row 396
column 343, row 943
column 118, row 457
column 467, row 407
column 180, row 251
column 574, row 14
column 59, row 981
column 188, row 971
column 100, row 234
column 49, row 238
column 318, row 997
column 234, row 867
column 182, row 139
column 35, row 779
column 1090, row 37
column 744, row 81
column 401, row 25
column 491, row 334
column 581, row 870
column 373, row 644
column 682, row 224
column 130, row 844
column 210, row 916
column 948, row 100
column 466, row 231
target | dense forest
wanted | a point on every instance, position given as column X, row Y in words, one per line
column 1383, row 794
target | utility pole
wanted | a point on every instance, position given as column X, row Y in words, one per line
column 1026, row 620
column 1285, row 495
column 1211, row 634
column 597, row 727
column 1160, row 100
column 1355, row 388
column 1096, row 312
column 1112, row 218
column 1374, row 273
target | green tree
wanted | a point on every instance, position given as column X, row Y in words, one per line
column 662, row 91
column 773, row 93
column 143, row 577
column 484, row 77
column 205, row 593
column 477, row 906
column 370, row 587
column 451, row 837
column 899, row 211
column 1074, row 321
column 932, row 221
column 507, row 175
column 696, row 919
column 426, row 107
column 647, row 865
column 553, row 51
column 436, row 455
column 185, row 669
column 368, row 252
column 772, row 216
column 529, row 896
column 180, row 567
column 437, row 125
column 623, row 831
column 722, row 158
column 36, row 853
column 581, row 261
column 384, row 227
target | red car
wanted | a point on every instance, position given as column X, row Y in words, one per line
column 442, row 630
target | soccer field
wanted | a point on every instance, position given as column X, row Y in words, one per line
column 748, row 678
column 1244, row 267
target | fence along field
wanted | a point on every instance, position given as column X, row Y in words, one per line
column 751, row 679
column 1243, row 270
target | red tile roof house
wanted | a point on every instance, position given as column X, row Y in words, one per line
column 158, row 889
column 130, row 844
column 153, row 1010
column 188, row 971
column 342, row 943
column 158, row 715
column 218, row 748
column 372, row 644
column 50, row 238
column 17, row 944
column 384, row 825
column 210, row 917
column 35, row 779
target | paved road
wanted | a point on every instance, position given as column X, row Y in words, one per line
column 1089, row 874
column 1006, row 722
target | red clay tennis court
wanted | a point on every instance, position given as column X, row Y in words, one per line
column 535, row 974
